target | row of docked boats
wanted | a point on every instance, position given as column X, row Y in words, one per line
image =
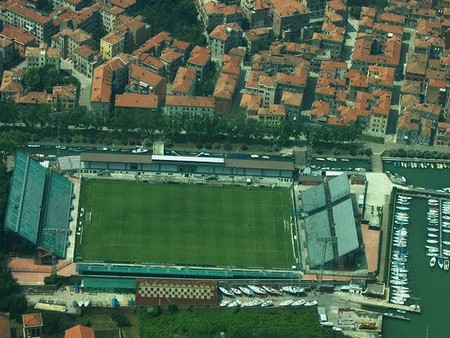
column 266, row 303
column 398, row 279
column 254, row 290
column 438, row 217
column 421, row 165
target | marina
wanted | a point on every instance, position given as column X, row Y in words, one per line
column 426, row 282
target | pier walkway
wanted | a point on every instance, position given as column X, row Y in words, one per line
column 381, row 303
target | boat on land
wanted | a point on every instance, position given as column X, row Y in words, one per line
column 225, row 302
column 299, row 302
column 246, row 291
column 236, row 291
column 267, row 303
column 257, row 290
column 440, row 263
column 295, row 290
column 311, row 303
column 236, row 303
column 327, row 324
column 226, row 292
column 286, row 302
column 252, row 303
column 337, row 329
column 271, row 290
column 432, row 261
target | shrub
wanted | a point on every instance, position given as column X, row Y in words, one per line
column 131, row 141
column 107, row 140
column 208, row 146
column 85, row 321
column 276, row 147
column 91, row 140
column 199, row 146
column 227, row 146
column 352, row 152
column 34, row 137
column 68, row 139
column 217, row 145
column 120, row 319
column 244, row 147
column 173, row 308
column 368, row 152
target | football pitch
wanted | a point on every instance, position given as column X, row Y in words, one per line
column 133, row 222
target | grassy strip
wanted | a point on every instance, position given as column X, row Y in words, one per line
column 302, row 322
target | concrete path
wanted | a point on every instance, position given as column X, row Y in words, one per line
column 377, row 163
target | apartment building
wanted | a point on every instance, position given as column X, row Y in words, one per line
column 65, row 97
column 131, row 102
column 184, row 82
column 199, row 60
column 223, row 38
column 11, row 85
column 107, row 79
column 256, row 12
column 413, row 129
column 214, row 13
column 26, row 18
column 111, row 45
column 41, row 56
column 442, row 135
column 6, row 51
column 85, row 60
column 271, row 115
column 224, row 93
column 189, row 105
column 289, row 17
column 72, row 4
column 331, row 40
column 67, row 40
column 143, row 81
column 20, row 37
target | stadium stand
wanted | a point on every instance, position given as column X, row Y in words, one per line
column 57, row 216
column 25, row 198
column 313, row 198
column 317, row 226
column 70, row 163
column 345, row 227
column 339, row 187
column 330, row 215
column 39, row 205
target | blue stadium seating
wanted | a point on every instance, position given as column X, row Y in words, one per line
column 25, row 198
column 39, row 205
column 57, row 215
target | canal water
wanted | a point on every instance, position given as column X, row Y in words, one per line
column 431, row 286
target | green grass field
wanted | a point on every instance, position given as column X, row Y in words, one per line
column 185, row 224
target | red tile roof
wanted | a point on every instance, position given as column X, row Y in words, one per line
column 134, row 100
column 32, row 320
column 225, row 86
column 190, row 101
column 80, row 331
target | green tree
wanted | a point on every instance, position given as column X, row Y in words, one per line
column 355, row 12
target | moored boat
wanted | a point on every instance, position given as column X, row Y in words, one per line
column 432, row 261
column 440, row 263
column 446, row 264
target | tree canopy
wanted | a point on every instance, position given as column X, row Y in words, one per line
column 44, row 78
column 178, row 17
